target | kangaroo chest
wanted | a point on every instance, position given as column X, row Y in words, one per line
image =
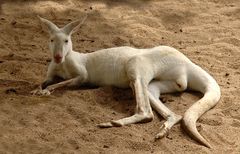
column 68, row 70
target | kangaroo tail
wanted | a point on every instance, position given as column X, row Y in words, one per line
column 208, row 101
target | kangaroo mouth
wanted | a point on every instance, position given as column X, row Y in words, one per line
column 58, row 61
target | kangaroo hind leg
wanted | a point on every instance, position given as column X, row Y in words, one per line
column 156, row 88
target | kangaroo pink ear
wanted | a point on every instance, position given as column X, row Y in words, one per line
column 51, row 27
column 73, row 26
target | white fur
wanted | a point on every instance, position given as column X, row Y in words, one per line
column 149, row 72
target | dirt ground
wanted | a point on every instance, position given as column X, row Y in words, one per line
column 207, row 31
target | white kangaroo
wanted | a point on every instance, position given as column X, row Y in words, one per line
column 149, row 72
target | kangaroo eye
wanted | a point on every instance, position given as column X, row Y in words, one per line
column 51, row 40
column 66, row 41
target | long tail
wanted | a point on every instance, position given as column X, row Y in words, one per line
column 208, row 101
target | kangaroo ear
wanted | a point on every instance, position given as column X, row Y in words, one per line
column 73, row 26
column 51, row 27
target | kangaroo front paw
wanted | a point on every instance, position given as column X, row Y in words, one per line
column 46, row 92
column 40, row 92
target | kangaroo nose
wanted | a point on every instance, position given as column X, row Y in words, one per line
column 58, row 58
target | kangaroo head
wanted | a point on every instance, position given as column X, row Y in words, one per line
column 60, row 42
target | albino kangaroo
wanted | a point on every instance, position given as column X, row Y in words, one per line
column 149, row 72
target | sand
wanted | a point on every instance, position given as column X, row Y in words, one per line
column 207, row 31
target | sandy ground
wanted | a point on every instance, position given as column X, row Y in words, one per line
column 207, row 31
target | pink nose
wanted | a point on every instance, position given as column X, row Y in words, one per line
column 58, row 58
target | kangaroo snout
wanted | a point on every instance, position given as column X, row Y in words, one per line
column 58, row 58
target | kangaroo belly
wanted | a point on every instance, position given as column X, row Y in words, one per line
column 108, row 71
column 111, row 76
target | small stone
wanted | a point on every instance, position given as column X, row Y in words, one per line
column 170, row 100
column 199, row 127
column 11, row 55
column 13, row 23
column 169, row 137
column 11, row 90
column 105, row 146
column 163, row 99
